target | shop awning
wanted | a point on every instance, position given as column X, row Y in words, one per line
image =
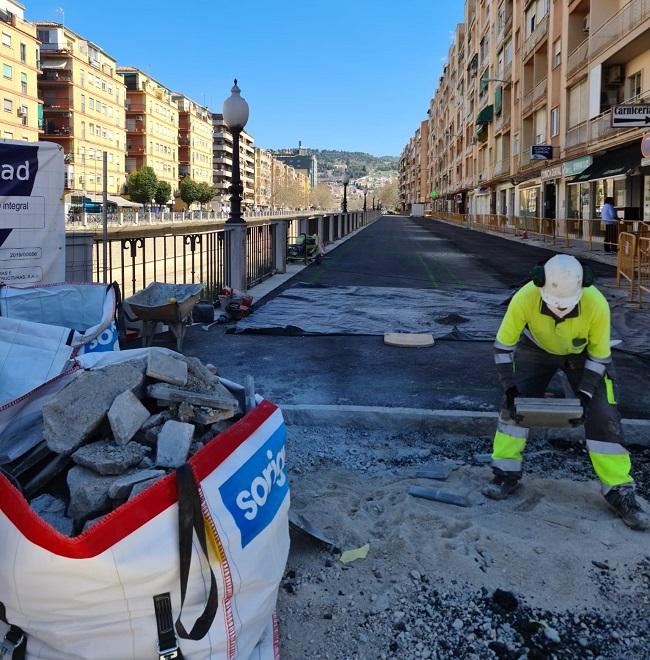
column 485, row 116
column 612, row 164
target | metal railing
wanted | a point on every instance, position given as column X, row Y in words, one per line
column 643, row 267
column 622, row 23
column 139, row 255
column 626, row 260
column 534, row 94
column 577, row 135
column 537, row 35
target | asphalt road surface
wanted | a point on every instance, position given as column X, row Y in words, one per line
column 397, row 251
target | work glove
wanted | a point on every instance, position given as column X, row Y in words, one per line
column 585, row 400
column 511, row 394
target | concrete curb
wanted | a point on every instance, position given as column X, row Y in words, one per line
column 461, row 422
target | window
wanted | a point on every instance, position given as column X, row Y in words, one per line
column 8, row 135
column 23, row 53
column 23, row 83
column 557, row 53
column 82, row 78
column 8, row 105
column 83, row 130
column 6, row 39
column 44, row 36
column 507, row 52
column 555, row 121
column 7, row 71
column 83, row 103
column 91, row 103
column 515, row 144
column 633, row 86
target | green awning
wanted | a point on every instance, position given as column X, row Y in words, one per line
column 485, row 116
column 498, row 100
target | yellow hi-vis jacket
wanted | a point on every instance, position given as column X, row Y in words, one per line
column 585, row 328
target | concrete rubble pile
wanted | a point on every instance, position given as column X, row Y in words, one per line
column 119, row 429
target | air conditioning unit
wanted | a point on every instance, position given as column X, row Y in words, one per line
column 615, row 74
column 22, row 112
column 585, row 23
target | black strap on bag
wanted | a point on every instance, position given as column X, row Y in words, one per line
column 167, row 644
column 14, row 644
column 190, row 520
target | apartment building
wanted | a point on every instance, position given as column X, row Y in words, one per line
column 521, row 121
column 222, row 152
column 194, row 140
column 152, row 126
column 83, row 108
column 263, row 178
column 22, row 110
column 289, row 186
column 300, row 160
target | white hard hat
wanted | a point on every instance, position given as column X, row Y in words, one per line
column 562, row 282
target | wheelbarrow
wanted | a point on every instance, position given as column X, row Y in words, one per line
column 171, row 304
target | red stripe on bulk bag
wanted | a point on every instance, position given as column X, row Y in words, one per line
column 133, row 514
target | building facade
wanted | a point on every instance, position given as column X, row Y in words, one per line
column 151, row 126
column 194, row 140
column 302, row 161
column 521, row 121
column 222, row 151
column 263, row 178
column 83, row 108
column 22, row 111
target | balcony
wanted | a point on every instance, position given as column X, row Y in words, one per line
column 60, row 129
column 538, row 34
column 525, row 158
column 577, row 135
column 136, row 150
column 137, row 127
column 222, row 160
column 578, row 58
column 135, row 107
column 534, row 95
column 501, row 167
column 54, row 75
column 621, row 24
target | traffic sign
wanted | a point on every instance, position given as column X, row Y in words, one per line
column 630, row 116
column 645, row 145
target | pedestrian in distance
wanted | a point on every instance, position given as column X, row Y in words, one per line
column 560, row 320
column 609, row 216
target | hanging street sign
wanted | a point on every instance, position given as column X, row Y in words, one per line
column 630, row 116
column 541, row 152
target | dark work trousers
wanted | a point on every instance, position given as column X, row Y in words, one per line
column 611, row 237
column 534, row 369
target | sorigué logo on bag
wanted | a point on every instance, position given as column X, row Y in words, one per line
column 255, row 492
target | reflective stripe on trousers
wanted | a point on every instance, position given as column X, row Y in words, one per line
column 509, row 444
column 611, row 463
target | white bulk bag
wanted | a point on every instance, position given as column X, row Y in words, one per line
column 92, row 597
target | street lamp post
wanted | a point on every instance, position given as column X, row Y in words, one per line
column 373, row 202
column 346, row 180
column 365, row 196
column 235, row 116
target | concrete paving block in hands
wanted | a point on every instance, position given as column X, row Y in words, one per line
column 106, row 458
column 126, row 415
column 121, row 487
column 88, row 492
column 168, row 369
column 174, row 444
column 76, row 412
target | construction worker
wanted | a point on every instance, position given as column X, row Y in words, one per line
column 565, row 323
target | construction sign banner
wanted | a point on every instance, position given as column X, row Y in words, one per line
column 32, row 227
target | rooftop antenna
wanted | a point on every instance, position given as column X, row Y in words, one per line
column 61, row 10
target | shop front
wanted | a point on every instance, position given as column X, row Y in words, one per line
column 530, row 198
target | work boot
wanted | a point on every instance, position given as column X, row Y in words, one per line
column 500, row 487
column 623, row 501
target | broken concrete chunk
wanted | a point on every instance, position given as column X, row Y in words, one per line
column 156, row 420
column 107, row 458
column 204, row 376
column 164, row 367
column 219, row 397
column 121, row 487
column 218, row 427
column 250, row 393
column 126, row 415
column 75, row 413
column 151, row 436
column 142, row 486
column 52, row 510
column 174, row 444
column 185, row 412
column 212, row 369
column 207, row 416
column 88, row 493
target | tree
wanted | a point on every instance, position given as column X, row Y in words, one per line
column 189, row 191
column 321, row 197
column 388, row 194
column 289, row 195
column 205, row 193
column 142, row 184
column 163, row 193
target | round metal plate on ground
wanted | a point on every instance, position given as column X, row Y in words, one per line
column 408, row 339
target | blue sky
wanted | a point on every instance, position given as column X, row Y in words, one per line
column 354, row 75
